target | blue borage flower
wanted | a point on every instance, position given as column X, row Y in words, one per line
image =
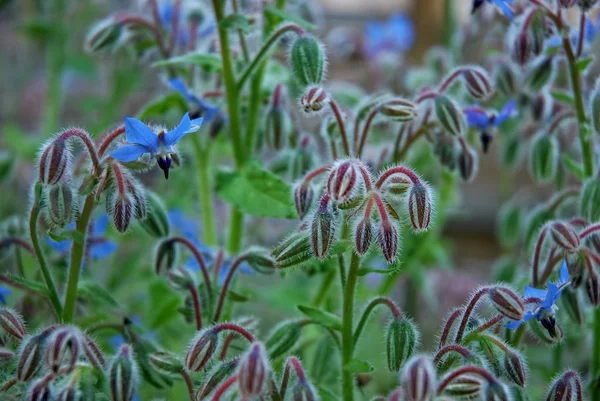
column 143, row 140
column 554, row 42
column 98, row 246
column 502, row 4
column 204, row 28
column 544, row 302
column 207, row 110
column 397, row 34
column 484, row 120
column 4, row 293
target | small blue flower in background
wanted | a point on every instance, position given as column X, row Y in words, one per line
column 144, row 140
column 207, row 110
column 4, row 292
column 396, row 35
column 590, row 34
column 204, row 27
column 544, row 311
column 502, row 4
column 484, row 121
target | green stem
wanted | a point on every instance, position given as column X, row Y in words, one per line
column 324, row 288
column 367, row 312
column 39, row 253
column 76, row 260
column 347, row 328
column 203, row 156
column 595, row 365
column 236, row 231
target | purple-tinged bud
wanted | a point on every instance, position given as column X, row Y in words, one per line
column 571, row 304
column 39, row 391
column 363, row 235
column 565, row 236
column 283, row 338
column 276, row 128
column 594, row 106
column 260, row 260
column 418, row 379
column 468, row 163
column 181, row 278
column 123, row 374
column 122, row 210
column 314, row 99
column 544, row 157
column 478, row 83
column 294, row 250
column 323, row 227
column 565, row 388
column 156, row 222
column 541, row 73
column 592, row 288
column 515, row 368
column 201, row 350
column 61, row 205
column 496, row 391
column 6, row 355
column 506, row 79
column 398, row 109
column 522, row 48
column 253, row 370
column 69, row 394
column 388, row 239
column 105, row 35
column 12, row 324
column 342, row 181
column 165, row 362
column 138, row 195
column 465, row 387
column 303, row 391
column 450, row 115
column 402, row 338
column 567, row 3
column 63, row 348
column 507, row 302
column 587, row 4
column 92, row 352
column 307, row 60
column 165, row 256
column 31, row 356
column 445, row 148
column 419, row 207
column 303, row 197
column 216, row 376
column 54, row 161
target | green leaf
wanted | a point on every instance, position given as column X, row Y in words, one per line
column 22, row 282
column 277, row 15
column 326, row 394
column 574, row 166
column 325, row 318
column 67, row 235
column 40, row 29
column 19, row 142
column 563, row 97
column 97, row 294
column 162, row 105
column 211, row 62
column 236, row 21
column 584, row 63
column 256, row 191
column 363, row 271
column 356, row 366
column 237, row 297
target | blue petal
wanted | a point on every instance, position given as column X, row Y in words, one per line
column 59, row 246
column 4, row 292
column 505, row 9
column 477, row 118
column 513, row 324
column 178, row 85
column 531, row 292
column 208, row 110
column 551, row 296
column 116, row 341
column 100, row 224
column 186, row 226
column 103, row 249
column 129, row 153
column 507, row 112
column 137, row 132
column 564, row 273
column 184, row 127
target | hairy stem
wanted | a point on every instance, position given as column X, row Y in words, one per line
column 347, row 328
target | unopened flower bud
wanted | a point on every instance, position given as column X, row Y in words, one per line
column 6, row 355
column 544, row 157
column 303, row 197
column 565, row 388
column 276, row 126
column 418, row 379
column 54, row 161
column 388, row 239
column 401, row 341
column 595, row 107
column 253, row 369
column 466, row 386
column 444, row 147
column 12, row 323
column 496, row 391
column 308, row 61
column 590, row 199
column 363, row 235
column 547, row 330
column 63, row 348
column 522, row 48
column 478, row 83
column 92, row 352
column 303, row 391
column 283, row 338
column 181, row 278
column 565, row 236
column 587, row 4
column 61, row 205
column 69, row 394
column 104, row 36
column 123, row 374
column 138, row 195
column 156, row 222
column 259, row 260
column 515, row 368
column 468, row 163
column 39, row 391
column 323, row 227
column 450, row 115
column 201, row 350
column 541, row 73
column 419, row 207
column 567, row 3
column 31, row 356
column 592, row 288
column 165, row 256
column 342, row 181
column 398, row 109
column 294, row 250
column 506, row 79
column 121, row 209
column 507, row 302
column 216, row 376
column 571, row 304
column 165, row 362
column 314, row 99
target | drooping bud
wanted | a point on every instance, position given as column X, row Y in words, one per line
column 592, row 288
column 398, row 109
column 69, row 394
column 123, row 375
column 12, row 323
column 201, row 350
column 92, row 352
column 165, row 256
column 323, row 227
column 571, row 304
column 544, row 157
column 587, row 4
column 567, row 3
column 294, row 250
column 303, row 197
column 39, row 391
column 515, row 368
column 303, row 391
column 6, row 355
column 506, row 79
column 342, row 181
column 181, row 278
column 496, row 391
column 565, row 388
column 590, row 199
column 595, row 107
column 217, row 375
column 363, row 235
column 547, row 329
column 507, row 302
column 541, row 73
column 31, row 356
column 138, row 195
column 61, row 205
column 165, row 362
column 388, row 239
column 478, row 82
column 54, row 161
column 121, row 209
column 522, row 48
column 402, row 338
column 253, row 369
column 307, row 60
column 314, row 99
column 63, row 348
column 418, row 379
column 283, row 338
column 465, row 386
column 468, row 163
column 450, row 115
column 156, row 222
column 564, row 236
column 104, row 36
column 276, row 123
column 444, row 147
column 419, row 206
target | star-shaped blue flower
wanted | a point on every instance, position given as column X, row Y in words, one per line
column 502, row 4
column 207, row 110
column 144, row 140
column 545, row 308
column 4, row 292
column 397, row 35
column 484, row 121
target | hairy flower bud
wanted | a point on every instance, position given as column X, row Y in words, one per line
column 450, row 115
column 165, row 362
column 6, row 355
column 541, row 73
column 468, row 163
column 590, row 199
column 138, row 195
column 31, row 355
column 419, row 207
column 363, row 235
column 522, row 48
column 587, row 4
column 92, row 352
column 465, row 386
column 496, row 391
column 564, row 388
column 61, row 205
column 418, row 379
column 478, row 83
column 592, row 288
column 323, row 227
column 567, row 3
column 507, row 302
column 444, row 147
column 314, row 99
column 515, row 368
column 564, row 236
column 401, row 342
column 181, row 278
column 104, row 36
column 303, row 391
column 548, row 330
column 216, row 376
column 276, row 128
column 388, row 239
column 12, row 324
column 294, row 250
column 342, row 181
column 398, row 109
column 165, row 256
column 307, row 60
column 201, row 350
column 54, row 161
column 39, row 391
column 122, row 209
column 544, row 157
column 69, row 394
column 303, row 197
column 506, row 79
column 283, row 338
column 253, row 369
column 63, row 348
column 594, row 107
column 156, row 222
column 123, row 374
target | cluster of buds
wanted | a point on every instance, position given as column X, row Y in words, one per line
column 125, row 198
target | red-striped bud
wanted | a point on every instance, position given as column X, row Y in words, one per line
column 565, row 388
column 419, row 207
column 123, row 375
column 323, row 227
column 363, row 235
column 388, row 239
column 303, row 391
column 314, row 99
column 303, row 197
column 12, row 323
column 450, row 115
column 496, row 391
column 181, row 278
column 253, row 370
column 201, row 350
column 31, row 355
column 468, row 163
column 54, row 161
column 478, row 83
column 400, row 110
column 69, row 394
column 522, row 49
column 6, row 355
column 567, row 3
column 565, row 236
column 92, row 352
column 39, row 391
column 592, row 288
column 61, row 206
column 418, row 379
column 515, row 368
column 122, row 209
column 465, row 386
column 138, row 195
column 342, row 181
column 507, row 302
column 63, row 348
